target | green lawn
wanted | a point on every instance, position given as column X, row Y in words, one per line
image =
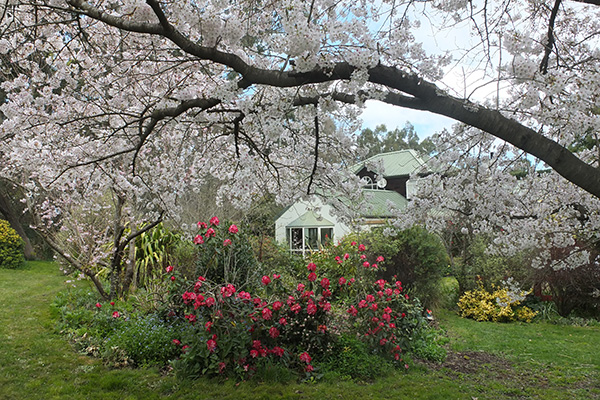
column 487, row 361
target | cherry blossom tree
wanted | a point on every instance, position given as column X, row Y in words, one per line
column 137, row 102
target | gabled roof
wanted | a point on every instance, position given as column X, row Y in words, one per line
column 396, row 163
column 380, row 201
column 310, row 219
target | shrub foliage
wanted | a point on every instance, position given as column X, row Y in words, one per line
column 11, row 247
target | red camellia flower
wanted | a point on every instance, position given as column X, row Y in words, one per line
column 366, row 264
column 342, row 281
column 277, row 305
column 311, row 308
column 226, row 242
column 210, row 301
column 214, row 221
column 112, row 303
column 211, row 345
column 278, row 351
column 406, row 297
column 374, row 266
column 370, row 298
column 301, row 287
column 253, row 353
column 282, row 321
column 338, row 259
column 208, row 325
column 173, row 279
column 267, row 314
column 191, row 317
column 309, row 368
column 361, row 247
column 353, row 244
column 403, row 315
column 116, row 314
column 312, row 267
column 321, row 328
column 305, row 357
column 202, row 225
column 352, row 311
column 325, row 283
column 176, row 342
column 363, row 256
column 266, row 280
column 346, row 256
column 274, row 332
column 312, row 277
column 209, row 232
column 98, row 305
column 296, row 308
column 362, row 304
column 169, row 269
column 233, row 229
column 198, row 239
column 380, row 259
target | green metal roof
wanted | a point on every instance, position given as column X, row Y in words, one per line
column 380, row 201
column 310, row 219
column 396, row 163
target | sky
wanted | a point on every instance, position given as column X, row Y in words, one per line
column 425, row 123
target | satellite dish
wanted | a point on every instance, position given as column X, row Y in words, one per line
column 381, row 183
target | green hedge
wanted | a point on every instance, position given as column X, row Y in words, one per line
column 11, row 247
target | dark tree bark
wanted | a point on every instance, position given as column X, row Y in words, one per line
column 9, row 212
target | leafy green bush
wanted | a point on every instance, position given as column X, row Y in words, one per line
column 11, row 247
column 146, row 340
column 415, row 257
column 351, row 358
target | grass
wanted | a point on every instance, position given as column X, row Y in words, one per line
column 487, row 361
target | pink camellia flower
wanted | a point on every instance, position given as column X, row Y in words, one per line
column 202, row 225
column 342, row 281
column 116, row 314
column 226, row 242
column 273, row 332
column 305, row 357
column 214, row 221
column 374, row 266
column 176, row 342
column 198, row 239
column 98, row 305
column 233, row 229
column 266, row 280
column 209, row 232
column 380, row 259
column 325, row 283
column 312, row 277
column 169, row 269
column 211, row 345
column 312, row 267
column 361, row 247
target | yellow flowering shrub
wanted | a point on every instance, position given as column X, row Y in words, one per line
column 501, row 305
column 11, row 247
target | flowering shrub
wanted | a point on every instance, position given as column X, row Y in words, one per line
column 225, row 254
column 501, row 305
column 234, row 332
column 11, row 247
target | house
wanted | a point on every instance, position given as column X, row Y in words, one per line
column 307, row 225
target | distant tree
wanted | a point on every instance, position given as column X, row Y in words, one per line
column 380, row 140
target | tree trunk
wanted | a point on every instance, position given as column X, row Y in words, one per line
column 11, row 215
